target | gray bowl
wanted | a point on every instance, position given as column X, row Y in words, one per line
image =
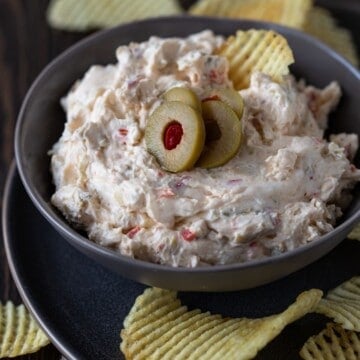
column 41, row 121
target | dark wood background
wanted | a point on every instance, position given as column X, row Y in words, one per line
column 27, row 44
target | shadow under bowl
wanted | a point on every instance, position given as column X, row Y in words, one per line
column 41, row 122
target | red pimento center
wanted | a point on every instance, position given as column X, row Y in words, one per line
column 211, row 98
column 172, row 135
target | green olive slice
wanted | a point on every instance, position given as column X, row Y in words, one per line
column 228, row 96
column 184, row 95
column 175, row 135
column 223, row 134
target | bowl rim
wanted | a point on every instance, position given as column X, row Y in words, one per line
column 89, row 246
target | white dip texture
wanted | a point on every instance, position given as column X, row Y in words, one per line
column 284, row 188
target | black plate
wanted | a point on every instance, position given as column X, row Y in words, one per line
column 81, row 305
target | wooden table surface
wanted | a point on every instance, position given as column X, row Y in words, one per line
column 27, row 44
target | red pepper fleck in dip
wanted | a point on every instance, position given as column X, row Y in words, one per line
column 188, row 235
column 132, row 232
column 123, row 131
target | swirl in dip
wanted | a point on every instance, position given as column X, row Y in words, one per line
column 284, row 188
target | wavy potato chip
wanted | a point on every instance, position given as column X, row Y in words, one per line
column 342, row 304
column 19, row 332
column 290, row 13
column 355, row 233
column 332, row 343
column 212, row 8
column 79, row 15
column 158, row 326
column 256, row 50
column 300, row 14
column 322, row 25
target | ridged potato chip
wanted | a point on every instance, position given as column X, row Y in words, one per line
column 300, row 14
column 355, row 233
column 19, row 332
column 342, row 304
column 290, row 13
column 333, row 343
column 256, row 50
column 322, row 25
column 212, row 8
column 158, row 326
column 80, row 15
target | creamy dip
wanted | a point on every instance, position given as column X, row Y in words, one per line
column 284, row 188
